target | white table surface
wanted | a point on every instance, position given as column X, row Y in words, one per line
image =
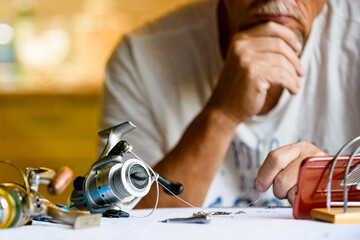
column 255, row 223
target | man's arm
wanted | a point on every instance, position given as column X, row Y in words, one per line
column 260, row 62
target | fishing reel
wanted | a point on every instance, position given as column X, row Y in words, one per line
column 118, row 180
column 21, row 203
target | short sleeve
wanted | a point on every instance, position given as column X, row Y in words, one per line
column 125, row 99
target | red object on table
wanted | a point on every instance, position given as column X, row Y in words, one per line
column 313, row 180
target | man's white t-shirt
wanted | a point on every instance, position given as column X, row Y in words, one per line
column 160, row 76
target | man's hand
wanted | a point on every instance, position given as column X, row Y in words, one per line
column 259, row 59
column 281, row 169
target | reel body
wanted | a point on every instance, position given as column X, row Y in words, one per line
column 112, row 186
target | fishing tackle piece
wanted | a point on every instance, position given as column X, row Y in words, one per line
column 118, row 180
column 21, row 203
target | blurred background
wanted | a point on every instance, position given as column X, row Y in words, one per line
column 52, row 59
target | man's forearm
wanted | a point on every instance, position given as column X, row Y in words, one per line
column 195, row 159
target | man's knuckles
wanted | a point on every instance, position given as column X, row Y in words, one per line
column 239, row 45
column 275, row 159
column 307, row 149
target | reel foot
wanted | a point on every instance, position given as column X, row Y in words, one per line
column 113, row 213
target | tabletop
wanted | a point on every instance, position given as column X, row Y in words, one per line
column 244, row 223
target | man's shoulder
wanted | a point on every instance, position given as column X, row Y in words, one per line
column 195, row 20
column 182, row 17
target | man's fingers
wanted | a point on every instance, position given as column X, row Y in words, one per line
column 275, row 162
column 279, row 72
column 286, row 179
column 291, row 194
column 279, row 160
column 281, row 168
column 272, row 29
column 271, row 69
column 286, row 79
column 264, row 45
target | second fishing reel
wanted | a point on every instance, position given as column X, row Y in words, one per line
column 21, row 203
column 118, row 180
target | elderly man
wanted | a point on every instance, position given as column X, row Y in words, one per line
column 231, row 95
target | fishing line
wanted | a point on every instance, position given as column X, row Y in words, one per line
column 156, row 179
column 212, row 213
column 155, row 175
column 23, row 175
column 187, row 203
column 252, row 188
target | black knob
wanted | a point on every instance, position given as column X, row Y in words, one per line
column 139, row 177
column 121, row 146
column 172, row 188
column 79, row 183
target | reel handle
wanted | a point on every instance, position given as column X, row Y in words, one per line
column 61, row 181
column 173, row 188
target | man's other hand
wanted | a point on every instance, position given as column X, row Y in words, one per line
column 281, row 169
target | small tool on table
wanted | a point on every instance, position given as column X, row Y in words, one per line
column 201, row 218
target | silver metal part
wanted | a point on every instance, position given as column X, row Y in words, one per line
column 346, row 178
column 345, row 198
column 114, row 184
column 36, row 176
column 201, row 218
column 133, row 187
column 353, row 177
column 35, row 205
column 4, row 209
column 114, row 135
column 74, row 218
